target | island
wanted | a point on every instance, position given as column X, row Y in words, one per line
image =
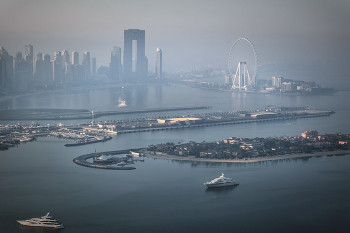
column 238, row 150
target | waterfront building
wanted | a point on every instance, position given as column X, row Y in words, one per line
column 134, row 60
column 47, row 66
column 159, row 64
column 75, row 58
column 277, row 81
column 9, row 67
column 309, row 134
column 286, row 86
column 86, row 65
column 115, row 67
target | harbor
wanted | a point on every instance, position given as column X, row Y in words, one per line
column 101, row 131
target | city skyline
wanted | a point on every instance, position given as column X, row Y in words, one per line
column 191, row 32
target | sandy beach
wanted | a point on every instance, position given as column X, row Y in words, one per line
column 251, row 160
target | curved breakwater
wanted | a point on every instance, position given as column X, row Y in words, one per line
column 81, row 160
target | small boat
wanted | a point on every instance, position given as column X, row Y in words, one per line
column 122, row 163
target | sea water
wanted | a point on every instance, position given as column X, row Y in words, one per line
column 297, row 195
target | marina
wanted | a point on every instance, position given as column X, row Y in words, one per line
column 106, row 161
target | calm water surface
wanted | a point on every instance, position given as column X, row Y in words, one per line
column 302, row 195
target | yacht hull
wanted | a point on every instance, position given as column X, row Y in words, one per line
column 31, row 224
column 221, row 185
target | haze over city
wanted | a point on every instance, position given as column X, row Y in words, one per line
column 189, row 32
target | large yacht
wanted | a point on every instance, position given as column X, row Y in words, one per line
column 222, row 181
column 44, row 221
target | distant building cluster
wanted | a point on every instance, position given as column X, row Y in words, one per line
column 29, row 71
column 238, row 148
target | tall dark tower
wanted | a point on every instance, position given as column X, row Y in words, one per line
column 134, row 60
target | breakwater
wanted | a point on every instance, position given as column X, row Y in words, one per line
column 67, row 114
column 137, row 111
column 241, row 120
column 81, row 160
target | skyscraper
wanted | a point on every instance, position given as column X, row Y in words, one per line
column 29, row 56
column 29, row 50
column 39, row 68
column 9, row 67
column 75, row 58
column 3, row 73
column 65, row 58
column 134, row 55
column 115, row 67
column 86, row 65
column 66, row 66
column 21, row 70
column 57, row 68
column 159, row 65
column 47, row 68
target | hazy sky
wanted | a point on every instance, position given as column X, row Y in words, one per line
column 187, row 31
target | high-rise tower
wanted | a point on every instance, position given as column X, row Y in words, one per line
column 86, row 65
column 75, row 58
column 9, row 67
column 39, row 68
column 21, row 73
column 48, row 68
column 159, row 64
column 57, row 68
column 134, row 60
column 29, row 56
column 115, row 67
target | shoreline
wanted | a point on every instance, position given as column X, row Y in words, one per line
column 250, row 160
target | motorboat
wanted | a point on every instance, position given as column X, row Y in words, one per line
column 222, row 181
column 44, row 221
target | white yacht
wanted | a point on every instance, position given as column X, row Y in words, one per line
column 44, row 221
column 222, row 181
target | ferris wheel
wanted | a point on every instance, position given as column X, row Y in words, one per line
column 251, row 80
